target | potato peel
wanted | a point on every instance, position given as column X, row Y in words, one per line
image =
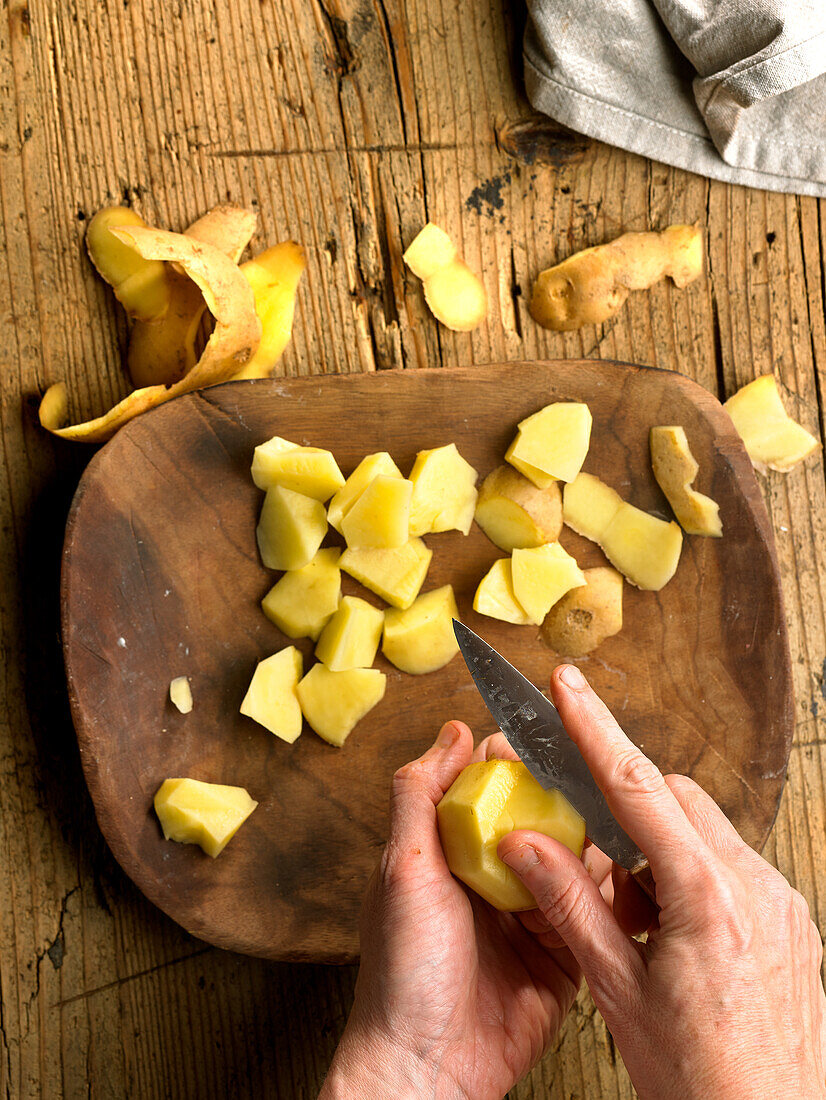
column 232, row 344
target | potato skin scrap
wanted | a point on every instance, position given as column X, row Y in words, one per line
column 586, row 616
column 675, row 468
column 773, row 441
column 454, row 294
column 140, row 285
column 514, row 513
column 592, row 285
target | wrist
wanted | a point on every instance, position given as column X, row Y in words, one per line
column 368, row 1067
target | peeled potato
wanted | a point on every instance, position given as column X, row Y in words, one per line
column 541, row 576
column 495, row 596
column 207, row 814
column 370, row 467
column 396, row 575
column 420, row 639
column 311, row 471
column 380, row 518
column 334, row 702
column 554, row 441
column 351, row 637
column 271, row 699
column 290, row 529
column 444, row 492
column 303, row 600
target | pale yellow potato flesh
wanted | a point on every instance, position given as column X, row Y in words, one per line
column 334, row 702
column 351, row 637
column 495, row 596
column 141, row 286
column 772, row 439
column 421, row 639
column 488, row 800
column 372, row 466
column 675, row 468
column 554, row 440
column 444, row 492
column 586, row 615
column 455, row 296
column 645, row 549
column 180, row 694
column 592, row 285
column 303, row 601
column 536, row 476
column 514, row 513
column 208, row 814
column 542, row 575
column 290, row 529
column 429, row 250
column 274, row 276
column 311, row 471
column 396, row 575
column 271, row 700
column 380, row 517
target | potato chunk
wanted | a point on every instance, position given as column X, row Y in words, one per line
column 396, row 575
column 455, row 295
column 333, row 702
column 350, row 639
column 271, row 700
column 311, row 471
column 290, row 529
column 488, row 800
column 587, row 615
column 207, row 814
column 375, row 465
column 541, row 576
column 554, row 441
column 180, row 693
column 772, row 439
column 538, row 477
column 380, row 518
column 421, row 639
column 444, row 492
column 645, row 549
column 303, row 600
column 515, row 514
column 495, row 596
column 675, row 468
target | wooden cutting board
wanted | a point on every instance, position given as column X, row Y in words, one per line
column 161, row 578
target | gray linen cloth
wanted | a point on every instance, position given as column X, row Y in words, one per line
column 732, row 89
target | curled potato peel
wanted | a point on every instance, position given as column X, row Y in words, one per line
column 229, row 298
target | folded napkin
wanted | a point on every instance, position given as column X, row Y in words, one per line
column 732, row 89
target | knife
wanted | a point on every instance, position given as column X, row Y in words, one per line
column 532, row 725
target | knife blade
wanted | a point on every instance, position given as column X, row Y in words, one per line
column 532, row 725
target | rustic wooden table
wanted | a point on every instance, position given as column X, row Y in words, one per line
column 345, row 124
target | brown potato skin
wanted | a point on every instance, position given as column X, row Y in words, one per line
column 586, row 616
column 542, row 506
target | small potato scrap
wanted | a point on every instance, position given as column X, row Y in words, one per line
column 180, row 694
column 274, row 276
column 592, row 285
column 586, row 616
column 772, row 439
column 237, row 332
column 675, row 468
column 455, row 295
column 514, row 513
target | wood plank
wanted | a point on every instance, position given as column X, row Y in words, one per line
column 347, row 148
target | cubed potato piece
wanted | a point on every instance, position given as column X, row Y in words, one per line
column 554, row 440
column 541, row 576
column 444, row 492
column 421, row 639
column 538, row 477
column 675, row 468
column 271, row 700
column 380, row 518
column 350, row 639
column 495, row 596
column 207, row 814
column 311, row 471
column 488, row 800
column 589, row 505
column 645, row 549
column 515, row 514
column 396, row 575
column 333, row 702
column 586, row 616
column 429, row 250
column 375, row 465
column 180, row 694
column 455, row 295
column 772, row 439
column 303, row 601
column 290, row 529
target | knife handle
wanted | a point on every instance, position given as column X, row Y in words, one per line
column 645, row 880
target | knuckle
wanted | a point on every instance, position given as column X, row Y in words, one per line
column 634, row 772
column 566, row 908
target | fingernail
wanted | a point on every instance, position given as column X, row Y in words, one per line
column 448, row 736
column 572, row 677
column 519, row 859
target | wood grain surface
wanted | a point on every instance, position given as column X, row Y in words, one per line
column 162, row 578
column 347, row 123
